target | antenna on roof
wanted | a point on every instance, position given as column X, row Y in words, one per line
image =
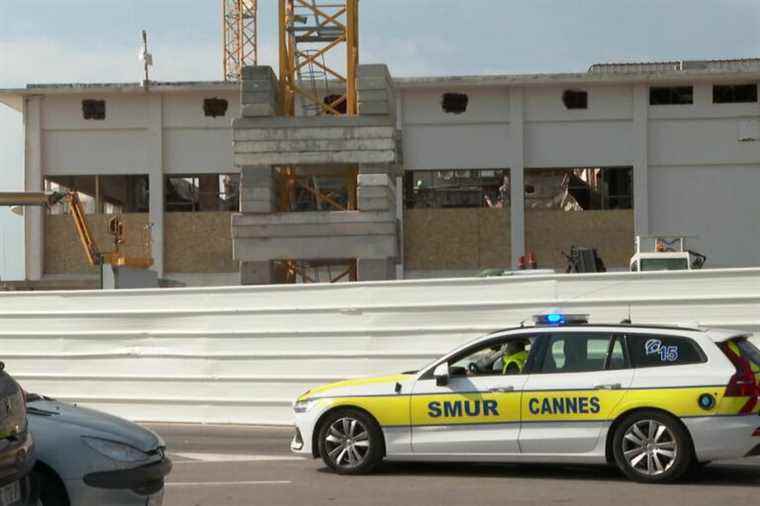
column 146, row 58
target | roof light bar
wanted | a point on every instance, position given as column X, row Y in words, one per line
column 558, row 319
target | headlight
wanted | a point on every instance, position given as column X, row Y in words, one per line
column 304, row 406
column 114, row 450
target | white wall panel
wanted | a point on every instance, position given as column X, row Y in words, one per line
column 192, row 150
column 84, row 152
column 485, row 105
column 64, row 112
column 699, row 142
column 242, row 354
column 456, row 147
column 604, row 103
column 579, row 144
column 718, row 204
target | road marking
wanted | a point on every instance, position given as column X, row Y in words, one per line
column 220, row 457
column 225, row 483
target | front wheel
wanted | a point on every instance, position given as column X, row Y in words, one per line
column 652, row 447
column 350, row 442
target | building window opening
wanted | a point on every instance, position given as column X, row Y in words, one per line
column 575, row 99
column 735, row 94
column 103, row 194
column 215, row 107
column 581, row 189
column 456, row 188
column 202, row 193
column 676, row 95
column 94, row 109
column 455, row 103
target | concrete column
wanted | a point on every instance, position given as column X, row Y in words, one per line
column 34, row 217
column 258, row 190
column 517, row 173
column 376, row 192
column 641, row 159
column 256, row 273
column 155, row 158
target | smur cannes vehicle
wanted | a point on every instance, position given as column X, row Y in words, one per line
column 655, row 400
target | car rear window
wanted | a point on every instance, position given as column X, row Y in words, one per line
column 659, row 351
column 749, row 351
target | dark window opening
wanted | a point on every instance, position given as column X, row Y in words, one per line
column 455, row 103
column 215, row 107
column 735, row 94
column 199, row 193
column 676, row 95
column 574, row 99
column 104, row 194
column 456, row 188
column 580, row 189
column 94, row 109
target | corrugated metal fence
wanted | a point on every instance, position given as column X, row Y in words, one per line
column 242, row 354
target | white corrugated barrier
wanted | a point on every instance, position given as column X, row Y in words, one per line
column 242, row 354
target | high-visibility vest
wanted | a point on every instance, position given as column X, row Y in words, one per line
column 519, row 359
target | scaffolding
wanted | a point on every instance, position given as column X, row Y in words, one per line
column 240, row 36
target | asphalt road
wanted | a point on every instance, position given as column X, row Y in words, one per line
column 218, row 466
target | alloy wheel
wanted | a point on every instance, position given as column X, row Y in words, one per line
column 650, row 447
column 347, row 442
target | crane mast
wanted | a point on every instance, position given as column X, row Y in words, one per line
column 240, row 36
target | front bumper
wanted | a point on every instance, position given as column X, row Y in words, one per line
column 301, row 443
column 145, row 480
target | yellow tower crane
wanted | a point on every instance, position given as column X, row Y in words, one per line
column 240, row 36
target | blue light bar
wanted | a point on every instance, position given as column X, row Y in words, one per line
column 557, row 319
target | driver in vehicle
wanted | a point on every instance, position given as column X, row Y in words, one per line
column 515, row 357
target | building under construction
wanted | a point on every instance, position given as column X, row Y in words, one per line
column 329, row 170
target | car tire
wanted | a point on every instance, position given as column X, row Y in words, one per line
column 52, row 490
column 350, row 442
column 652, row 447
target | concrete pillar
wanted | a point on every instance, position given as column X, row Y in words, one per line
column 517, row 174
column 155, row 158
column 34, row 217
column 376, row 269
column 256, row 273
column 258, row 190
column 641, row 159
column 376, row 192
column 260, row 96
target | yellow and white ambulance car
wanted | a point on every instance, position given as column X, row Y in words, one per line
column 655, row 400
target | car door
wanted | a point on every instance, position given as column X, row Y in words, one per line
column 580, row 376
column 477, row 413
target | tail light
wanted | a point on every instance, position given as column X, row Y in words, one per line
column 743, row 383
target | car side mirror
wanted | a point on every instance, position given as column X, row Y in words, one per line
column 441, row 374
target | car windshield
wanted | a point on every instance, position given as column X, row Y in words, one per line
column 664, row 264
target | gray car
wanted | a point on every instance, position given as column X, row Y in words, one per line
column 86, row 457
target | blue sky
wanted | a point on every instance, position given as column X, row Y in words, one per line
column 96, row 41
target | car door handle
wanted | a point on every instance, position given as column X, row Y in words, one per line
column 613, row 386
column 501, row 390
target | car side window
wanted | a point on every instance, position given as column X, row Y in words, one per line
column 577, row 352
column 659, row 351
column 501, row 357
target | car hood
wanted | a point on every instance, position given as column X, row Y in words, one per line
column 373, row 385
column 97, row 424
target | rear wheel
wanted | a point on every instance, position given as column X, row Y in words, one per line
column 652, row 447
column 350, row 442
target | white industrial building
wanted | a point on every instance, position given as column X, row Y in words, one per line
column 668, row 148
